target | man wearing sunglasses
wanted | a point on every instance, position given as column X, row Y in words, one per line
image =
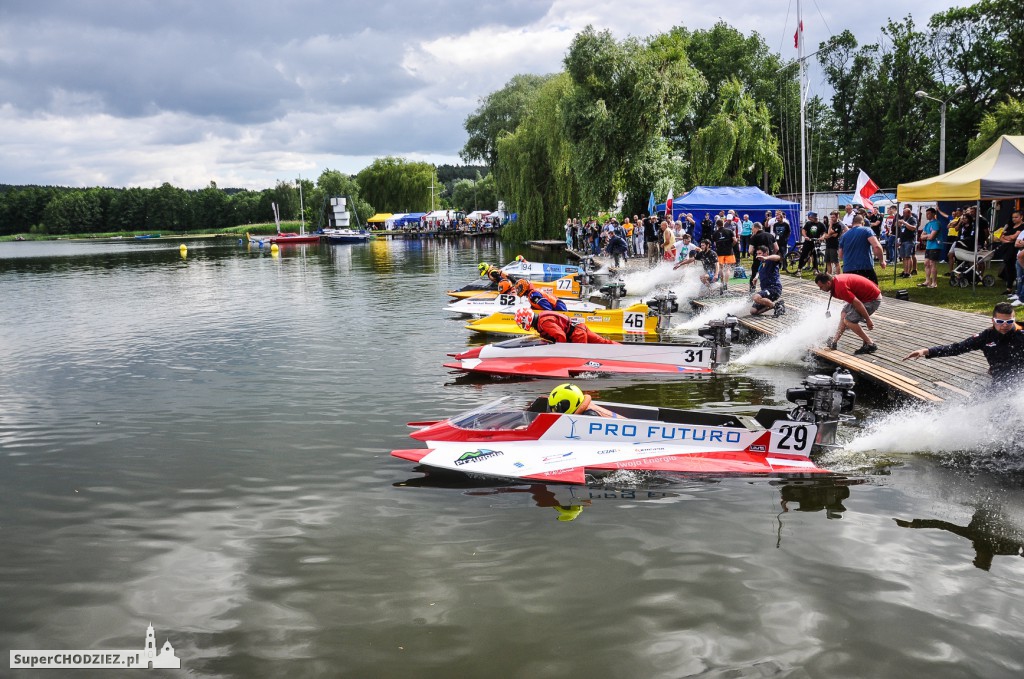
column 1002, row 345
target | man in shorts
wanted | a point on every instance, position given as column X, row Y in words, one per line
column 931, row 234
column 862, row 299
column 725, row 245
column 770, row 294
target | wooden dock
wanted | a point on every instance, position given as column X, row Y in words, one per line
column 900, row 327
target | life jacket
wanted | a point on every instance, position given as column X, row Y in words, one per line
column 550, row 298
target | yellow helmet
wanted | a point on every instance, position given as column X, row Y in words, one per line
column 565, row 398
column 483, row 268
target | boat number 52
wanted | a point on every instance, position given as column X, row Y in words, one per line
column 633, row 322
column 795, row 438
column 507, row 300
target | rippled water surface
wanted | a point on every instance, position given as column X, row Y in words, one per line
column 203, row 443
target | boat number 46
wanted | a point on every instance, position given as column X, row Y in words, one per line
column 793, row 438
column 633, row 321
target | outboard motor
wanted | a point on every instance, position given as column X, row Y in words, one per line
column 663, row 305
column 585, row 277
column 720, row 333
column 823, row 399
column 614, row 292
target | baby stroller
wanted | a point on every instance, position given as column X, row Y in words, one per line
column 968, row 269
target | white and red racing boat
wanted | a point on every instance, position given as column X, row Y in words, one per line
column 530, row 443
column 533, row 356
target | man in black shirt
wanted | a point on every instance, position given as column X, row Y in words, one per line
column 832, row 233
column 813, row 231
column 781, row 230
column 725, row 244
column 1002, row 345
column 706, row 227
column 907, row 228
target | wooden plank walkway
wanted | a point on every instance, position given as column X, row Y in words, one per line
column 900, row 327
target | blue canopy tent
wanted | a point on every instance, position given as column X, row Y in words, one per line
column 740, row 199
column 411, row 219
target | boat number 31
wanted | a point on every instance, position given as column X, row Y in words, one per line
column 633, row 321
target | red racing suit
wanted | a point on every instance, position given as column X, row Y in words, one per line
column 558, row 328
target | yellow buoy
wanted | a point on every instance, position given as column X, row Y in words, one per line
column 274, row 249
column 183, row 250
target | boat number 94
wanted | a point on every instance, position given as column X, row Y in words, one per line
column 795, row 438
column 633, row 321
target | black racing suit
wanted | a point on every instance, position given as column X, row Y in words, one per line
column 1003, row 351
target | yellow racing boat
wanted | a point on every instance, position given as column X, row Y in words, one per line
column 566, row 286
column 635, row 320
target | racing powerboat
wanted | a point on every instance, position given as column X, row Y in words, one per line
column 485, row 305
column 566, row 286
column 342, row 236
column 633, row 321
column 529, row 443
column 539, row 270
column 533, row 356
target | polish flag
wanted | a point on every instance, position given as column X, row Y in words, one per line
column 668, row 206
column 865, row 189
column 796, row 36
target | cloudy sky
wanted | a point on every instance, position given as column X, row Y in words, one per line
column 141, row 92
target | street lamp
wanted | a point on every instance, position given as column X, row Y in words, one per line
column 921, row 94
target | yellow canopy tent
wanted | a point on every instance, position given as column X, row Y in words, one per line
column 379, row 218
column 996, row 173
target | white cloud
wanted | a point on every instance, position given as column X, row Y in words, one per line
column 145, row 92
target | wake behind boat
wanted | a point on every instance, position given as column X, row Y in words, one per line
column 531, row 443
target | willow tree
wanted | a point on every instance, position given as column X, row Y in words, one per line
column 393, row 184
column 737, row 146
column 535, row 173
column 616, row 111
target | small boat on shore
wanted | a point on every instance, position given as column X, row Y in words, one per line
column 342, row 236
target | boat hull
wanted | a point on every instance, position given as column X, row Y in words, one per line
column 568, row 360
column 485, row 305
column 632, row 321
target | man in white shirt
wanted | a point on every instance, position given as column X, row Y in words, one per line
column 848, row 215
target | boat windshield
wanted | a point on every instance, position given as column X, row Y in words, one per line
column 520, row 342
column 496, row 415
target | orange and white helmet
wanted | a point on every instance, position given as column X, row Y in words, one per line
column 523, row 287
column 504, row 286
column 524, row 318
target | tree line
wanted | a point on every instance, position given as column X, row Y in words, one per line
column 717, row 107
column 388, row 184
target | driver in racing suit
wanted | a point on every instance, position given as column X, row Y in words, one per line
column 556, row 327
column 541, row 300
column 570, row 400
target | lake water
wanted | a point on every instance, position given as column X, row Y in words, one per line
column 202, row 443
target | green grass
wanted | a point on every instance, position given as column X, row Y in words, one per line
column 980, row 300
column 260, row 229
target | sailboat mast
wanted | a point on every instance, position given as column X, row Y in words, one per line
column 803, row 122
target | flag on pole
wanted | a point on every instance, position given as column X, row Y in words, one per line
column 651, row 205
column 668, row 206
column 796, row 36
column 865, row 189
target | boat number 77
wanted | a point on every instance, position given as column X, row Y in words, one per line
column 793, row 437
column 633, row 321
column 564, row 284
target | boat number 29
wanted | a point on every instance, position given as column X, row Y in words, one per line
column 796, row 438
column 633, row 321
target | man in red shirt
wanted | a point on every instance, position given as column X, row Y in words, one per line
column 862, row 299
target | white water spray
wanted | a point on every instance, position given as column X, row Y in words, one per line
column 733, row 306
column 689, row 286
column 980, row 423
column 641, row 283
column 792, row 345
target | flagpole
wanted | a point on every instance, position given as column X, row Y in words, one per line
column 803, row 122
